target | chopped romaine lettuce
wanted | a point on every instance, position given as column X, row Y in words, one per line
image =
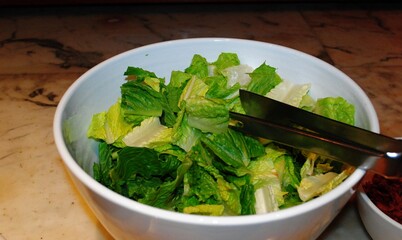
column 169, row 145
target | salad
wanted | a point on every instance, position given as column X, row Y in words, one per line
column 168, row 145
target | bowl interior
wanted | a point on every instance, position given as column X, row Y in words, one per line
column 99, row 88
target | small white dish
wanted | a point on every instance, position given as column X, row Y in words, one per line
column 378, row 224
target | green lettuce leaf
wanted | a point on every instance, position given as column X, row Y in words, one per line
column 194, row 88
column 247, row 198
column 149, row 133
column 263, row 79
column 226, row 60
column 205, row 209
column 229, row 192
column 320, row 184
column 138, row 74
column 138, row 173
column 218, row 87
column 184, row 135
column 307, row 103
column 202, row 185
column 96, row 128
column 265, row 178
column 198, row 66
column 309, row 165
column 336, row 108
column 173, row 91
column 140, row 100
column 288, row 171
column 136, row 160
column 102, row 168
column 155, row 83
column 289, row 93
column 208, row 115
column 166, row 195
column 233, row 148
column 109, row 126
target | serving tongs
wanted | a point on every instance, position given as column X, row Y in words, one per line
column 292, row 126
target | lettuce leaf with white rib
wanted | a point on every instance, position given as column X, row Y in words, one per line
column 207, row 115
column 150, row 133
column 184, row 135
column 265, row 178
column 289, row 93
column 110, row 126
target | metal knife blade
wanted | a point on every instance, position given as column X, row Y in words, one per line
column 295, row 127
column 265, row 108
column 310, row 141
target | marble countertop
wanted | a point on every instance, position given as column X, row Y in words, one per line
column 44, row 50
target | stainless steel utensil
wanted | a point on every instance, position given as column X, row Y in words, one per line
column 301, row 129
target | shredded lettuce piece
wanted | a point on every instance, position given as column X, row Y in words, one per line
column 208, row 115
column 336, row 108
column 226, row 60
column 183, row 134
column 320, row 184
column 265, row 178
column 198, row 67
column 149, row 133
column 233, row 147
column 173, row 91
column 140, row 100
column 109, row 126
column 289, row 93
column 263, row 79
column 205, row 209
column 138, row 74
column 195, row 87
column 239, row 74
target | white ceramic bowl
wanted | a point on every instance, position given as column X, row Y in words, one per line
column 99, row 88
column 379, row 225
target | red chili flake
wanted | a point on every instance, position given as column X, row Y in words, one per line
column 386, row 194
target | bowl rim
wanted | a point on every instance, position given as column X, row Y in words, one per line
column 104, row 192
